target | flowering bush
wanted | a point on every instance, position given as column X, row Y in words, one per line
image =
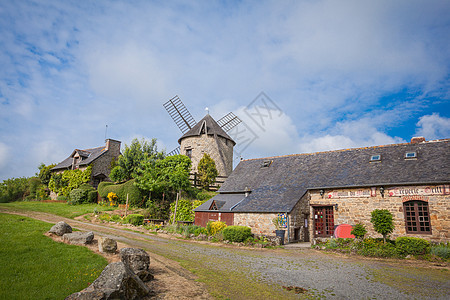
column 214, row 227
column 112, row 198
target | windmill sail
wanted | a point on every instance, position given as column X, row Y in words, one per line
column 179, row 113
column 229, row 121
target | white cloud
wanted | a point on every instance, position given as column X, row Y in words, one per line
column 433, row 127
column 4, row 155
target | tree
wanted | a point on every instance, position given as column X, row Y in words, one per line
column 167, row 176
column 207, row 171
column 382, row 221
column 138, row 153
column 45, row 173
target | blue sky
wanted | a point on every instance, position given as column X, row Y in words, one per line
column 334, row 74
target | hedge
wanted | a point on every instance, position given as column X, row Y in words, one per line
column 135, row 195
column 236, row 233
column 412, row 245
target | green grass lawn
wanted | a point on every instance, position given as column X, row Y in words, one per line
column 56, row 208
column 33, row 266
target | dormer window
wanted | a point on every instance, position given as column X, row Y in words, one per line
column 410, row 155
column 375, row 158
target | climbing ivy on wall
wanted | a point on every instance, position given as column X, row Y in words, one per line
column 63, row 184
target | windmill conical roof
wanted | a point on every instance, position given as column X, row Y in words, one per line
column 212, row 128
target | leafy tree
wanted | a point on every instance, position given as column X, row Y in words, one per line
column 13, row 189
column 382, row 221
column 167, row 176
column 207, row 171
column 45, row 173
column 133, row 157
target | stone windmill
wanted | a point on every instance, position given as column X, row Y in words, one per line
column 206, row 136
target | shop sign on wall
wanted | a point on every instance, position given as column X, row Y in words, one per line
column 423, row 191
column 349, row 194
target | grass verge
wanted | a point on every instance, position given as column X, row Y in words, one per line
column 33, row 266
column 56, row 208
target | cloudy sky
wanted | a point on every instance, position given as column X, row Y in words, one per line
column 304, row 76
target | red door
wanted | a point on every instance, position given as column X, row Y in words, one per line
column 323, row 221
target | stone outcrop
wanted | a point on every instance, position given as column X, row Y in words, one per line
column 61, row 228
column 138, row 261
column 117, row 281
column 107, row 245
column 79, row 238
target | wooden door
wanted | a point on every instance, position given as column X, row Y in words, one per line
column 323, row 221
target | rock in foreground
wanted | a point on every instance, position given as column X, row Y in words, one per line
column 61, row 228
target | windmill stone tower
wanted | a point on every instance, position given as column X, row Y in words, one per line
column 206, row 136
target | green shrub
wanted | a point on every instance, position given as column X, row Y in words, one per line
column 441, row 250
column 214, row 227
column 105, row 217
column 200, row 230
column 134, row 219
column 359, row 230
column 236, row 233
column 92, row 196
column 62, row 198
column 382, row 221
column 84, row 194
column 116, row 218
column 135, row 195
column 378, row 248
column 412, row 246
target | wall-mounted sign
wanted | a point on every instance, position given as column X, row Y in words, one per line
column 423, row 190
column 349, row 194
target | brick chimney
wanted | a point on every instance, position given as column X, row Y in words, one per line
column 418, row 139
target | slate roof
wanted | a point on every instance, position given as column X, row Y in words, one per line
column 280, row 186
column 212, row 128
column 87, row 155
column 224, row 202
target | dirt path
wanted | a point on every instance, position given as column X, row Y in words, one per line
column 171, row 280
column 235, row 270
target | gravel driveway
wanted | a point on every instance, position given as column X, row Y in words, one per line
column 323, row 275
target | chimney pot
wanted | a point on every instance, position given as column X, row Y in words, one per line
column 416, row 140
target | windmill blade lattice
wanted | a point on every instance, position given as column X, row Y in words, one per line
column 229, row 121
column 175, row 151
column 179, row 113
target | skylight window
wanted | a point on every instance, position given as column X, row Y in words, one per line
column 266, row 163
column 410, row 155
column 375, row 158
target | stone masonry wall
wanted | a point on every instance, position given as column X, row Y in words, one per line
column 355, row 206
column 220, row 150
column 260, row 223
column 102, row 165
column 297, row 218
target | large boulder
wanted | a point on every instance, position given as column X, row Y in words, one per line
column 61, row 228
column 117, row 281
column 138, row 261
column 79, row 237
column 107, row 245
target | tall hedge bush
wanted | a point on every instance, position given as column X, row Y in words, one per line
column 135, row 195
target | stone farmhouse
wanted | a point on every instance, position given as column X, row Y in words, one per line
column 99, row 158
column 313, row 193
column 208, row 137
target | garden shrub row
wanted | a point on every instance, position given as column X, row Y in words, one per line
column 237, row 233
column 399, row 248
column 84, row 194
column 135, row 195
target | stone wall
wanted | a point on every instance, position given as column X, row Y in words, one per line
column 298, row 228
column 102, row 165
column 355, row 206
column 220, row 150
column 260, row 223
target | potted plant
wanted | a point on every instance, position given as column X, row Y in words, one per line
column 279, row 228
